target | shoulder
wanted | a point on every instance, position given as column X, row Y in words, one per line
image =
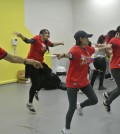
column 36, row 37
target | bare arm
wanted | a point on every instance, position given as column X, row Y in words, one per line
column 20, row 60
column 57, row 44
column 102, row 48
column 59, row 56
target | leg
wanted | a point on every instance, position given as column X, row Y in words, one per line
column 92, row 98
column 94, row 76
column 95, row 72
column 102, row 73
column 116, row 92
column 72, row 98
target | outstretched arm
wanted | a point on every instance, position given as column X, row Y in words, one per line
column 60, row 56
column 20, row 60
column 26, row 40
column 57, row 44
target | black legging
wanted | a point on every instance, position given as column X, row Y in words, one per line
column 116, row 92
column 37, row 77
column 72, row 98
column 100, row 64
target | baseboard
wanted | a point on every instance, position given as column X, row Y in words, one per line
column 8, row 81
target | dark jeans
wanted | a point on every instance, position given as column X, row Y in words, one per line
column 72, row 98
column 116, row 92
column 100, row 64
column 37, row 77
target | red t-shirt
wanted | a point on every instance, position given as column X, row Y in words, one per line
column 38, row 49
column 3, row 53
column 78, row 68
column 115, row 62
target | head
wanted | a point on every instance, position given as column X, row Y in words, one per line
column 45, row 34
column 110, row 35
column 101, row 39
column 81, row 38
column 118, row 32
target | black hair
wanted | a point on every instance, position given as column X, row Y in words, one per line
column 89, row 43
column 78, row 42
column 43, row 31
column 101, row 39
column 110, row 35
column 118, row 29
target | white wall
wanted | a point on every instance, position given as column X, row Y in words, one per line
column 96, row 16
column 54, row 15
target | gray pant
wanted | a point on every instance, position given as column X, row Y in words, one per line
column 72, row 98
column 116, row 92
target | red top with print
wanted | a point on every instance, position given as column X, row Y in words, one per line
column 38, row 49
column 78, row 68
column 3, row 53
column 115, row 62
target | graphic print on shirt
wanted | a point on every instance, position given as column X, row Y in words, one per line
column 85, row 60
column 44, row 48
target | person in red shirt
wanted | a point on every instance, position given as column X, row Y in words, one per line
column 115, row 70
column 80, row 58
column 15, row 59
column 39, row 45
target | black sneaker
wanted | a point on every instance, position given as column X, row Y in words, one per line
column 105, row 95
column 36, row 96
column 102, row 88
column 31, row 108
column 107, row 107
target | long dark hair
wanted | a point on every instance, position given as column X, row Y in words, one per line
column 110, row 35
column 101, row 39
column 43, row 31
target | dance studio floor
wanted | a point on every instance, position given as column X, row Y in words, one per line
column 51, row 110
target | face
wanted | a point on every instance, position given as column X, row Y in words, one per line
column 46, row 35
column 118, row 34
column 84, row 41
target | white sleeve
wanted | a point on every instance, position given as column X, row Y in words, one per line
column 96, row 50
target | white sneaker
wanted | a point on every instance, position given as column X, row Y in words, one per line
column 66, row 131
column 79, row 109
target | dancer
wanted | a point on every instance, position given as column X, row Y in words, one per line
column 80, row 58
column 39, row 45
column 15, row 59
column 99, row 64
column 115, row 70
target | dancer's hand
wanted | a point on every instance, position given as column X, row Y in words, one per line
column 19, row 35
column 35, row 63
column 59, row 56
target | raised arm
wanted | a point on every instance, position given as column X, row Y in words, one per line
column 26, row 40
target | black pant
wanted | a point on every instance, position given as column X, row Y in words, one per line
column 37, row 77
column 72, row 98
column 116, row 92
column 100, row 64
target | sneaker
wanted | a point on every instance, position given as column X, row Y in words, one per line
column 31, row 108
column 102, row 88
column 79, row 109
column 66, row 131
column 36, row 96
column 105, row 95
column 107, row 107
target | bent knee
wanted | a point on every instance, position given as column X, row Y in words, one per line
column 95, row 101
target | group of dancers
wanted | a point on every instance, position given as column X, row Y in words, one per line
column 76, row 79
